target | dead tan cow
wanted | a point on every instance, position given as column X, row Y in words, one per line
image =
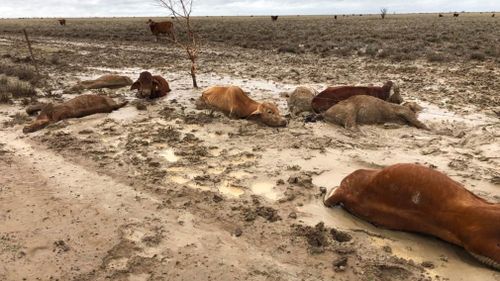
column 233, row 102
column 80, row 106
column 300, row 100
column 363, row 109
column 163, row 27
column 109, row 81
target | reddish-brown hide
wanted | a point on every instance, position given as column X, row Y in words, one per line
column 150, row 86
column 332, row 95
column 412, row 197
column 163, row 27
column 235, row 103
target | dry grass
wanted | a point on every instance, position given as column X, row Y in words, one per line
column 21, row 71
column 401, row 37
column 13, row 88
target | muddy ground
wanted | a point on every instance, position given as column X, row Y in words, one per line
column 162, row 191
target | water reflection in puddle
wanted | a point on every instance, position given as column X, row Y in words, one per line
column 227, row 189
column 265, row 189
column 169, row 155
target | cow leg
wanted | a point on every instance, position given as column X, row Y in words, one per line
column 412, row 119
column 332, row 197
column 350, row 122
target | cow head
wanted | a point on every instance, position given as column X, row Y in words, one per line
column 150, row 22
column 145, row 85
column 394, row 94
column 413, row 106
column 269, row 114
column 41, row 121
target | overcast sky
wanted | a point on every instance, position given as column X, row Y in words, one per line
column 102, row 8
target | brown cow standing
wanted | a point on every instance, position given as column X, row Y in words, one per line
column 80, row 106
column 274, row 18
column 150, row 86
column 440, row 15
column 62, row 21
column 163, row 27
column 333, row 95
column 233, row 102
column 456, row 15
column 415, row 198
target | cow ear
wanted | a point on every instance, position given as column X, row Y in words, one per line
column 258, row 111
column 135, row 86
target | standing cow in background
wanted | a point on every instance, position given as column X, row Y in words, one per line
column 163, row 27
column 62, row 22
column 274, row 18
column 455, row 15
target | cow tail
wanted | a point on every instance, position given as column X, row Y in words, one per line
column 120, row 105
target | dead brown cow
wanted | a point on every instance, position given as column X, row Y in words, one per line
column 415, row 198
column 109, row 81
column 150, row 86
column 235, row 103
column 80, row 106
column 163, row 27
column 62, row 21
column 363, row 109
column 333, row 95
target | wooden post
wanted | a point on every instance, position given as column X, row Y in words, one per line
column 31, row 52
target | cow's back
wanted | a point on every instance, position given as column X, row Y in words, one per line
column 406, row 197
column 332, row 95
column 231, row 100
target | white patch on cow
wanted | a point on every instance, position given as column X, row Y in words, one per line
column 416, row 198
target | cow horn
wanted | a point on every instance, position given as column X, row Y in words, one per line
column 329, row 194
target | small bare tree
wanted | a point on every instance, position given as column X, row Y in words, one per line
column 180, row 11
column 383, row 12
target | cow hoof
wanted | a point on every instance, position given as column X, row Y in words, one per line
column 328, row 194
column 487, row 261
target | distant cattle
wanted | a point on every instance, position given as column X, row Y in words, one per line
column 440, row 15
column 274, row 18
column 411, row 197
column 149, row 86
column 235, row 103
column 164, row 27
column 493, row 15
column 335, row 17
column 456, row 15
column 62, row 21
column 80, row 106
column 332, row 95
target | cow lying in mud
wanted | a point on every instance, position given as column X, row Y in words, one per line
column 233, row 102
column 371, row 110
column 80, row 106
column 415, row 198
column 332, row 95
column 109, row 81
column 150, row 86
column 300, row 100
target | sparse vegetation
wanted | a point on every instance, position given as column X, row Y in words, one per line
column 11, row 87
column 23, row 72
column 319, row 35
column 383, row 12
